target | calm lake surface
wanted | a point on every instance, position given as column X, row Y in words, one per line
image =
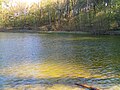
column 58, row 61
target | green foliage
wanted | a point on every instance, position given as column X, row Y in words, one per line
column 64, row 15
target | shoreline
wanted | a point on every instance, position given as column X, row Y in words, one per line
column 61, row 32
column 44, row 32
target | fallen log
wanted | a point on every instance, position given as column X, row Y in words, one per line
column 86, row 86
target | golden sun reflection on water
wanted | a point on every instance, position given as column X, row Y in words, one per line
column 48, row 70
column 45, row 70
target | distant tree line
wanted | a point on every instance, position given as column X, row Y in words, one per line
column 61, row 15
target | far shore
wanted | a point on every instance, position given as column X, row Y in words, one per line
column 112, row 32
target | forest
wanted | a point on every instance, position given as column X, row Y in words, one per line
column 61, row 15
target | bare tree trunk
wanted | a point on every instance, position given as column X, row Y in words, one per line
column 50, row 23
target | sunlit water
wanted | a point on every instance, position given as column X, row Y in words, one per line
column 58, row 61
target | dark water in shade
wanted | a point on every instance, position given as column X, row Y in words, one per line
column 58, row 61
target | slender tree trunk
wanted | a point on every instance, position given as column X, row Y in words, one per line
column 50, row 23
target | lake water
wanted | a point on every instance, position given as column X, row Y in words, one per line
column 58, row 61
